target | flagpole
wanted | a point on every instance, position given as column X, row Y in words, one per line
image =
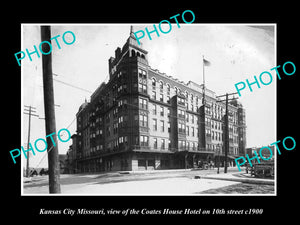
column 203, row 103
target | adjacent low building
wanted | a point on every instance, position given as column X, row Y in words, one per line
column 142, row 119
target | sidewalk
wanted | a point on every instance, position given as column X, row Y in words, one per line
column 238, row 177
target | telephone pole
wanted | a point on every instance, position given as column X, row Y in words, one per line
column 226, row 133
column 53, row 160
column 30, row 111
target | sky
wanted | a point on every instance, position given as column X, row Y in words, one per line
column 236, row 52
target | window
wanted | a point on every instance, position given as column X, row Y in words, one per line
column 143, row 121
column 154, row 109
column 181, row 113
column 207, row 121
column 122, row 102
column 143, row 88
column 169, row 144
column 141, row 163
column 162, row 111
column 161, row 85
column 115, row 114
column 168, row 111
column 181, row 128
column 162, row 144
column 181, row 144
column 155, row 143
column 187, row 130
column 132, row 53
column 154, row 95
column 121, row 118
column 153, row 82
column 176, row 90
column 154, row 124
column 168, row 89
column 194, row 146
column 143, row 103
column 144, row 140
column 181, row 101
column 115, row 128
column 162, row 125
column 207, row 132
column 107, row 131
column 107, row 117
column 193, row 131
column 168, row 99
column 161, row 97
column 169, row 127
column 142, row 74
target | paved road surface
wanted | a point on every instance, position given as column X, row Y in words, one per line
column 138, row 183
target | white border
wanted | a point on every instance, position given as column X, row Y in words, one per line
column 147, row 24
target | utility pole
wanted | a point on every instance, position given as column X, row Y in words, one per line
column 53, row 160
column 204, row 63
column 219, row 152
column 30, row 111
column 226, row 126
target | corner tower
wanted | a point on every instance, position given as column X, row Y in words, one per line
column 131, row 49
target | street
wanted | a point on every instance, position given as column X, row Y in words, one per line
column 168, row 182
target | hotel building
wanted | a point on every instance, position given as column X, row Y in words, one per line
column 142, row 119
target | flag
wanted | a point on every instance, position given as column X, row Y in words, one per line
column 206, row 62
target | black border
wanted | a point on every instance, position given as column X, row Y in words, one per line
column 250, row 12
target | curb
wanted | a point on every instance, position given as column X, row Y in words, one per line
column 153, row 171
column 243, row 180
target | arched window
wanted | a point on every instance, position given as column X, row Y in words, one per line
column 153, row 82
column 143, row 56
column 176, row 90
column 161, row 85
column 138, row 54
column 168, row 87
column 132, row 53
column 180, row 92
